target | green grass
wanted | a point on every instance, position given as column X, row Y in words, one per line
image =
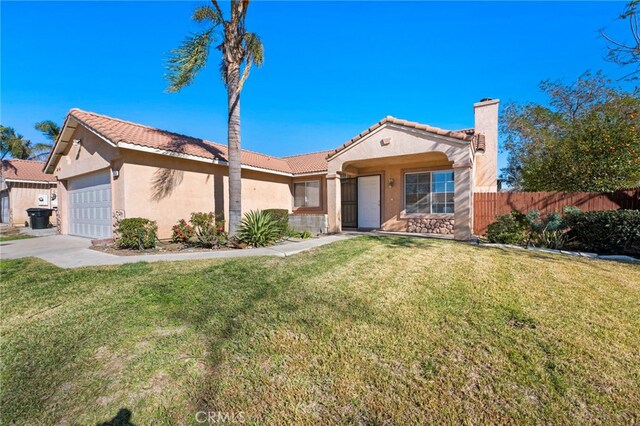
column 371, row 330
column 14, row 237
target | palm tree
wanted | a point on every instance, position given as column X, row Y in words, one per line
column 13, row 144
column 51, row 131
column 240, row 49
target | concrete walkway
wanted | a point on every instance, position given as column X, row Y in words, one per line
column 72, row 252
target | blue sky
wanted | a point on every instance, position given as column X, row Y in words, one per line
column 332, row 68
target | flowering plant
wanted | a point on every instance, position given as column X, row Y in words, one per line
column 182, row 232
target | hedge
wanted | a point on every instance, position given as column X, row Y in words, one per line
column 606, row 231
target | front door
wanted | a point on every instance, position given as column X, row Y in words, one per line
column 369, row 202
column 349, row 197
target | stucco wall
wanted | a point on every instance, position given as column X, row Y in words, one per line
column 164, row 189
column 25, row 195
column 168, row 189
column 486, row 165
column 265, row 191
column 90, row 155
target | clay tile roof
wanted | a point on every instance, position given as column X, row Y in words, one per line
column 308, row 163
column 456, row 134
column 479, row 143
column 121, row 131
column 25, row 170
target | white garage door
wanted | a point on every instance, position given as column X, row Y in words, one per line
column 4, row 207
column 90, row 206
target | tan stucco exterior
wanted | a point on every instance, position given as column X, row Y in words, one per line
column 165, row 187
column 486, row 168
column 162, row 188
column 24, row 195
column 391, row 151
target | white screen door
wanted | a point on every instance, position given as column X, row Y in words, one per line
column 369, row 202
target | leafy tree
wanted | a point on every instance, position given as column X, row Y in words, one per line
column 240, row 49
column 627, row 53
column 586, row 139
column 13, row 144
column 51, row 131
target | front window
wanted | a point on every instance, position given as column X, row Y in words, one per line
column 306, row 194
column 429, row 192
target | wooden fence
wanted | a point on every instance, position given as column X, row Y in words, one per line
column 487, row 206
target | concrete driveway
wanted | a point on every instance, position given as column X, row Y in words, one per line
column 65, row 251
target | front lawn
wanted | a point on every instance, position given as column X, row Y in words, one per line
column 372, row 330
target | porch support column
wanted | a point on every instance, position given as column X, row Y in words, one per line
column 334, row 203
column 462, row 201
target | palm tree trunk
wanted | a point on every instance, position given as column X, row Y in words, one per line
column 235, row 181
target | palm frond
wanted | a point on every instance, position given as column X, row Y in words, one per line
column 254, row 49
column 48, row 128
column 207, row 13
column 185, row 62
column 223, row 71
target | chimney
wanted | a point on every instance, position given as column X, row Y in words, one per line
column 486, row 164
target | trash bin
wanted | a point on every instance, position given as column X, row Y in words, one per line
column 39, row 218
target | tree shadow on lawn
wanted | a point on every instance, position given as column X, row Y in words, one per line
column 259, row 294
column 393, row 241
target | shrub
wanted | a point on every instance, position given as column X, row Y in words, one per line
column 204, row 228
column 305, row 234
column 606, row 231
column 182, row 232
column 281, row 217
column 258, row 228
column 136, row 233
column 549, row 231
column 508, row 229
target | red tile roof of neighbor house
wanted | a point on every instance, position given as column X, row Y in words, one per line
column 26, row 170
column 121, row 131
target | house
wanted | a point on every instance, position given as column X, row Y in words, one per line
column 23, row 185
column 396, row 175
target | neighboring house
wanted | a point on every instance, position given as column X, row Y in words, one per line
column 23, row 184
column 397, row 175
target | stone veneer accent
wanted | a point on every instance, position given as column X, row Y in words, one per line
column 430, row 226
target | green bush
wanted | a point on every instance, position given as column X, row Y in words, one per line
column 136, row 233
column 606, row 231
column 258, row 228
column 281, row 217
column 508, row 229
column 549, row 231
column 305, row 234
column 206, row 231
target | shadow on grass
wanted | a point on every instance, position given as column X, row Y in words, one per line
column 400, row 242
column 123, row 418
column 241, row 295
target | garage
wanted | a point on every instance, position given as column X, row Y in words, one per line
column 90, row 205
column 4, row 207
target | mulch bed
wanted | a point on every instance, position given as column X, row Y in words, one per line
column 163, row 247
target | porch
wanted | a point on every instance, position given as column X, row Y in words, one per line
column 402, row 182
